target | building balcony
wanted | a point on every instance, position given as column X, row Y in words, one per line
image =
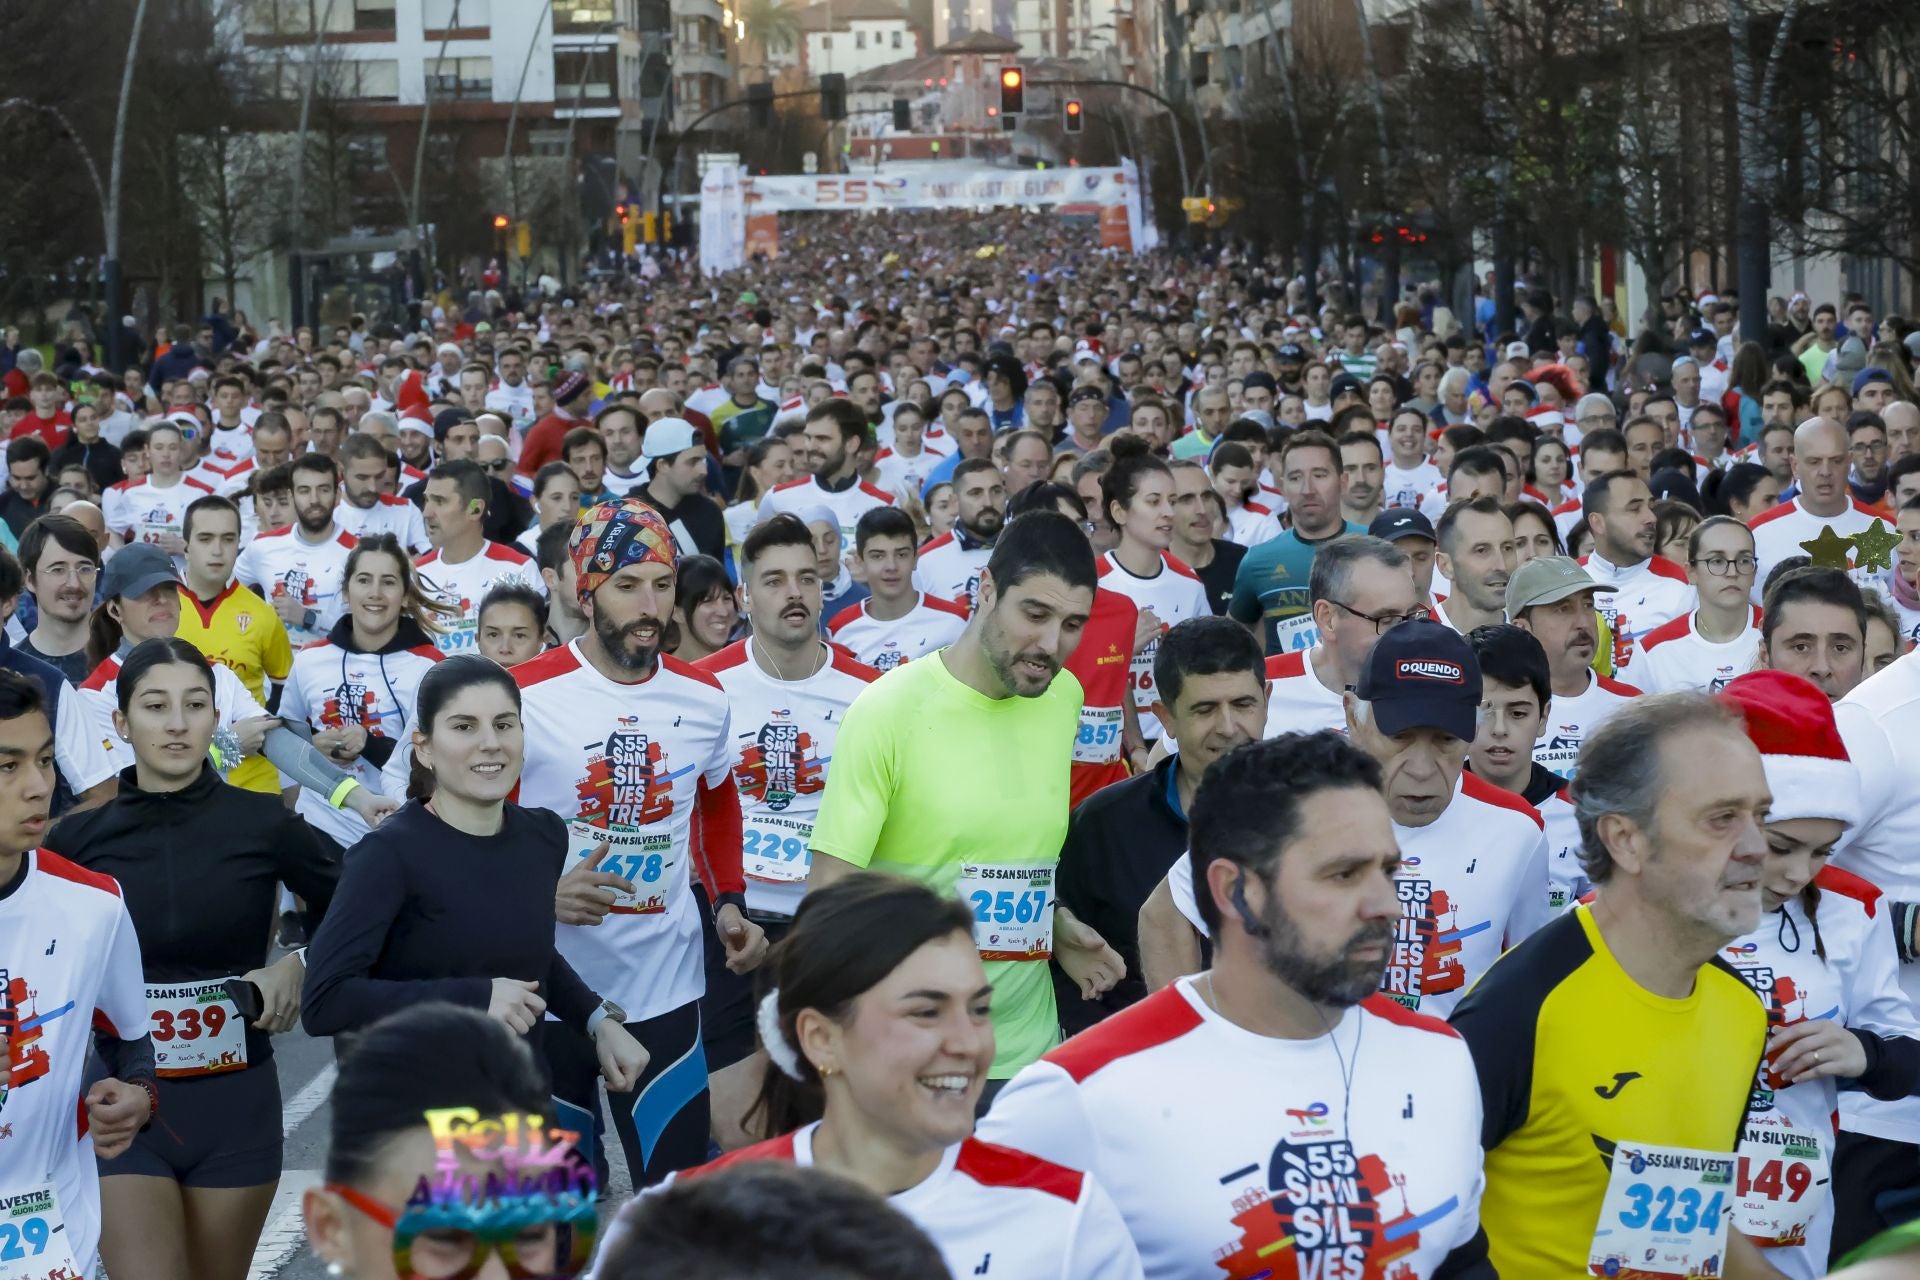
column 701, row 64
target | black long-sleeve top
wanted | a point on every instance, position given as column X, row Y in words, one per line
column 427, row 912
column 198, row 869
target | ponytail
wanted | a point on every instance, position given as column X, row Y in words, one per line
column 103, row 635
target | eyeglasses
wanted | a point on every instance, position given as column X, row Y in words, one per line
column 497, row 465
column 1720, row 566
column 1862, row 448
column 1383, row 623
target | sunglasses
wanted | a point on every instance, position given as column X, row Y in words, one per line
column 538, row 1237
column 497, row 465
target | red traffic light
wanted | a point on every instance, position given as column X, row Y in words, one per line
column 1011, row 78
column 620, row 212
column 501, row 222
column 1073, row 108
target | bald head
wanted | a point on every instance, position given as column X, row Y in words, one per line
column 90, row 516
column 657, row 403
column 1820, row 466
column 1903, row 429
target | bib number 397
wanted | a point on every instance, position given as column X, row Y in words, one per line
column 1665, row 1214
column 33, row 1237
column 1012, row 909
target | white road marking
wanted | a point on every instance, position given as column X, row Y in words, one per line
column 286, row 1230
column 308, row 1100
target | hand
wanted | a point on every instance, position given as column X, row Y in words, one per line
column 585, row 894
column 745, row 941
column 373, row 809
column 622, row 1058
column 115, row 1112
column 171, row 543
column 1792, row 1051
column 515, row 1003
column 279, row 985
column 1085, row 956
column 342, row 743
column 253, row 732
column 1146, row 629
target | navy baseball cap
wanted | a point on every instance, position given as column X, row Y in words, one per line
column 1290, row 351
column 1422, row 675
column 1401, row 522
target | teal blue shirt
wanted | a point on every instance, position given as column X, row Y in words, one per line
column 1270, row 588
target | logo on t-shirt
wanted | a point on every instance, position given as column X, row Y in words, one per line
column 627, row 784
column 296, row 584
column 1326, row 1212
column 352, row 702
column 779, row 764
column 21, row 1024
column 1427, row 937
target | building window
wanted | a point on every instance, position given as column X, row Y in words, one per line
column 439, row 15
column 373, row 15
column 372, row 80
column 826, row 42
column 584, row 74
column 582, row 17
column 460, row 78
column 896, row 39
column 859, row 39
column 1046, row 42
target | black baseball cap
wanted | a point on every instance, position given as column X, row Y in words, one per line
column 1086, row 393
column 1422, row 675
column 1401, row 522
column 1260, row 378
column 1290, row 351
column 1343, row 383
column 1703, row 338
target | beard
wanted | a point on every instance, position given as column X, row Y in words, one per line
column 1340, row 980
column 619, row 643
column 986, row 523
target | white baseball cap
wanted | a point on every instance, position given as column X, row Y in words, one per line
column 669, row 436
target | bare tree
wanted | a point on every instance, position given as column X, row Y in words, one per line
column 1756, row 90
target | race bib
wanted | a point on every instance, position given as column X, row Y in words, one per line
column 1099, row 739
column 774, row 848
column 1141, row 670
column 1296, row 634
column 1012, row 909
column 1665, row 1214
column 147, row 531
column 1783, row 1180
column 196, row 1030
column 34, row 1244
column 641, row 856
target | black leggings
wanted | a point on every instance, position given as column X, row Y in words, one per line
column 663, row 1123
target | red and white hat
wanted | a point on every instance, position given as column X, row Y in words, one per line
column 1546, row 416
column 1791, row 722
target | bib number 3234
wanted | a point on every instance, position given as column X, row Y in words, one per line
column 1665, row 1214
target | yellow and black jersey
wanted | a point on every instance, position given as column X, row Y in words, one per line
column 1574, row 1056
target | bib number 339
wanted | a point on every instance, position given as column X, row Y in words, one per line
column 1665, row 1214
column 1012, row 909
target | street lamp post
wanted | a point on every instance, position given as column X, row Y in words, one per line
column 110, row 265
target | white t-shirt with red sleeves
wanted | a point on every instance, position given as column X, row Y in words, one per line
column 69, row 962
column 1676, row 656
column 1784, row 1192
column 624, row 765
column 1251, row 524
column 1409, row 488
column 229, row 445
column 1645, row 596
column 1174, row 593
column 899, row 474
column 464, row 585
column 847, row 505
column 229, row 477
column 1567, row 881
column 389, row 514
column 1235, row 1155
column 783, row 735
column 1571, row 720
column 1779, row 531
column 283, row 564
column 931, row 624
column 1297, row 701
column 330, row 687
column 990, row 1210
column 949, row 569
column 145, row 511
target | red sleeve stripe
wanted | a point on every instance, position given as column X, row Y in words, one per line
column 1161, row 1018
column 996, row 1166
column 1391, row 1010
column 1478, row 788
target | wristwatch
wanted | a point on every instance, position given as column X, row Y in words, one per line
column 607, row 1010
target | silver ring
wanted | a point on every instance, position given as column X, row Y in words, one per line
column 1816, row 1057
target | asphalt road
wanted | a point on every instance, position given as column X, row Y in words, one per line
column 306, row 1083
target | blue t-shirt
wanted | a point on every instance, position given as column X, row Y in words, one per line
column 1270, row 588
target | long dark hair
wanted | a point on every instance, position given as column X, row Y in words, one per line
column 846, row 939
column 444, row 681
column 1132, row 459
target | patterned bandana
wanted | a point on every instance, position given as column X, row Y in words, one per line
column 613, row 535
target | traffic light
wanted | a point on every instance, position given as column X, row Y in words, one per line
column 833, row 96
column 501, row 224
column 760, row 105
column 1075, row 118
column 1013, row 91
column 902, row 116
column 621, row 212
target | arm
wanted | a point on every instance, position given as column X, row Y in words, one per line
column 568, row 996
column 1169, row 948
column 341, row 994
column 79, row 755
column 859, row 791
column 1745, row 1261
column 825, row 869
column 306, row 865
column 120, row 1105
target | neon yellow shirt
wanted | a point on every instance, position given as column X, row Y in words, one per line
column 930, row 777
column 241, row 632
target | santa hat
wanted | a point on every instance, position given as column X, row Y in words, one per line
column 417, row 416
column 410, row 392
column 1792, row 724
column 1545, row 416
